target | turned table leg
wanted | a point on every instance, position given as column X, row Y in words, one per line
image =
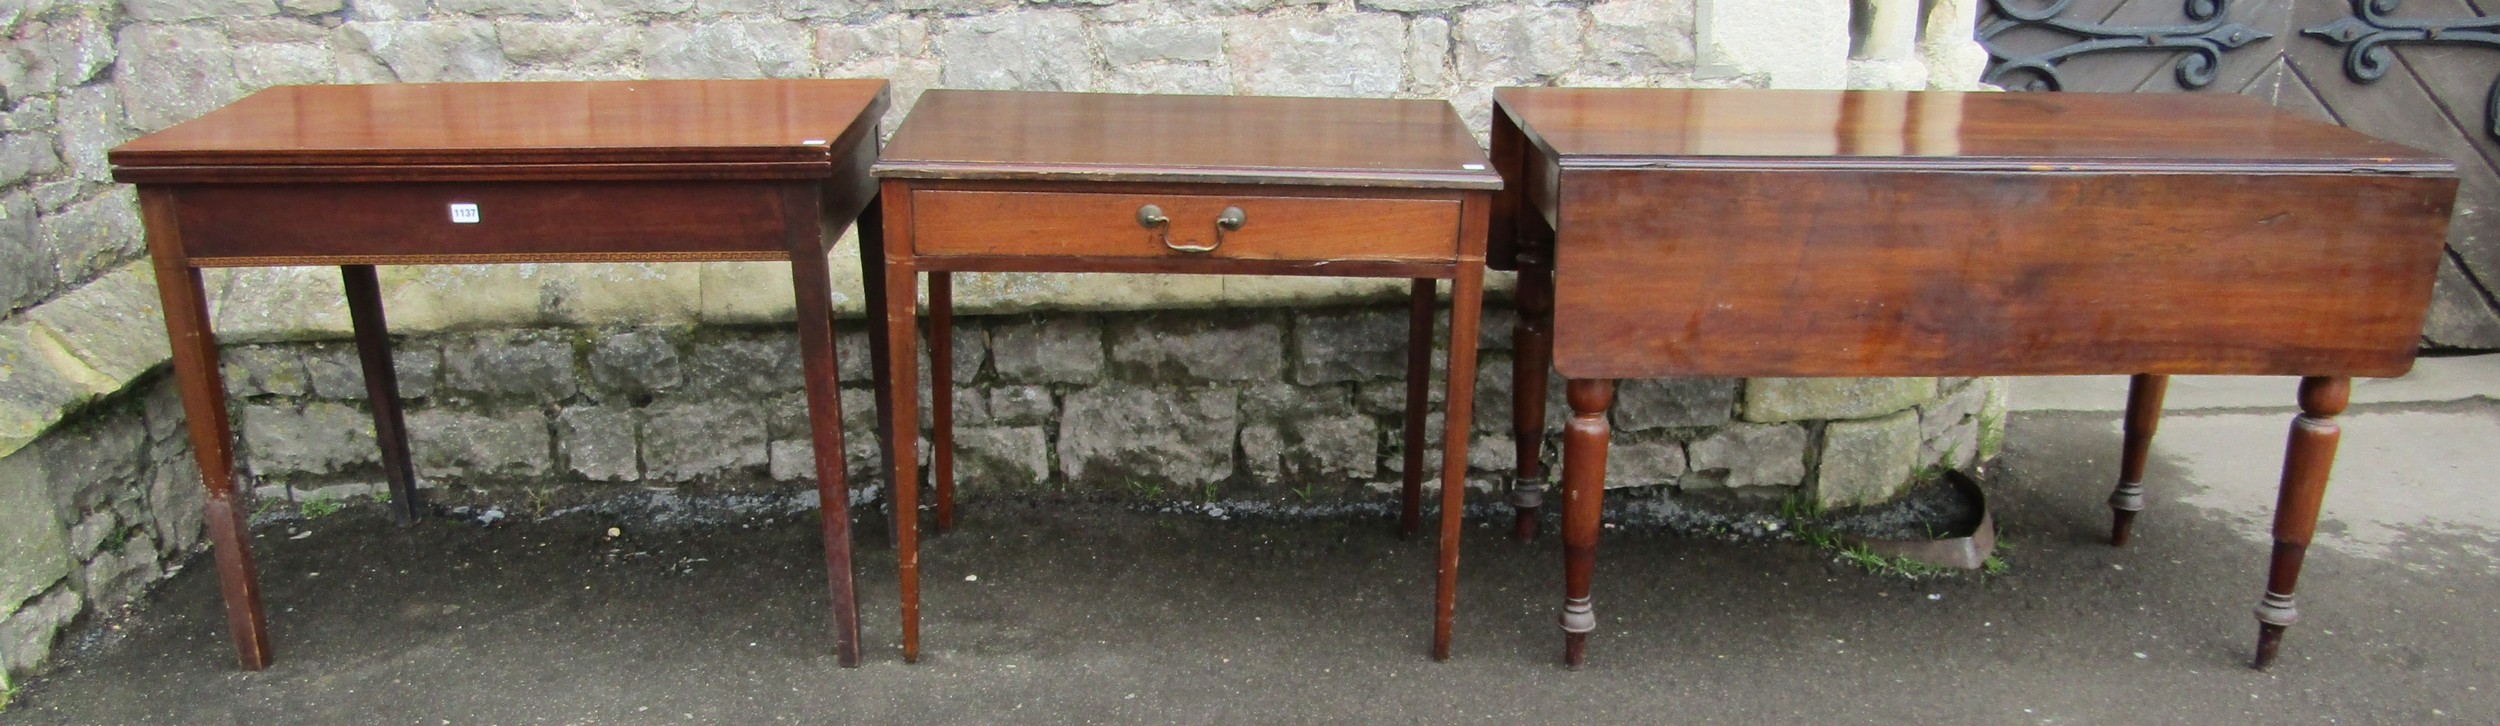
column 212, row 433
column 942, row 395
column 814, row 289
column 1457, row 424
column 2144, row 394
column 2306, row 461
column 1420, row 309
column 1532, row 359
column 1585, row 440
column 373, row 349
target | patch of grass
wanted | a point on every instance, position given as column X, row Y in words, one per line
column 323, row 507
column 1991, row 435
column 380, row 499
column 116, row 541
column 540, row 501
column 8, row 691
column 1805, row 517
column 1866, row 559
column 1303, row 493
column 1145, row 489
column 1934, row 470
column 1816, row 534
column 1995, row 566
column 1800, row 508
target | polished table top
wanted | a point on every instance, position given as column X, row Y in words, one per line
column 1022, row 135
column 1719, row 128
column 673, row 128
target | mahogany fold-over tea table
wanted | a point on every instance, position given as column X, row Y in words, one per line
column 1809, row 233
column 632, row 171
column 993, row 181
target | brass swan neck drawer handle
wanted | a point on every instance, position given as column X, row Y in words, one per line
column 1151, row 217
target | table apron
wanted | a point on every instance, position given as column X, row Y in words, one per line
column 227, row 225
column 1303, row 229
column 1201, row 266
column 1859, row 273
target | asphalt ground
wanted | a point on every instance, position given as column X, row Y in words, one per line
column 1057, row 613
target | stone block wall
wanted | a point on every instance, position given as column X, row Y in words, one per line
column 91, row 514
column 1281, row 405
column 577, row 377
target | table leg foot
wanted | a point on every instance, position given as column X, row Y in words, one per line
column 1585, row 442
column 2144, row 397
column 2275, row 615
column 238, row 578
column 1579, row 618
column 2269, row 643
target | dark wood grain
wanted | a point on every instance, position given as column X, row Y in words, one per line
column 685, row 126
column 1312, row 229
column 954, row 134
column 2144, row 394
column 1191, row 265
column 1758, row 233
column 1857, row 273
column 203, row 391
column 612, row 172
column 1751, row 129
column 1586, row 438
column 2307, row 459
column 1458, row 411
column 1532, row 363
column 1048, row 182
column 1508, row 154
column 373, row 350
column 900, row 318
column 880, row 353
column 809, row 245
column 614, row 220
column 942, row 394
column 1419, row 312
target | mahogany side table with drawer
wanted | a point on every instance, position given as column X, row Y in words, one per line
column 1817, row 233
column 996, row 181
column 624, row 171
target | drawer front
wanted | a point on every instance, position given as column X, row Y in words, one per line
column 505, row 221
column 948, row 222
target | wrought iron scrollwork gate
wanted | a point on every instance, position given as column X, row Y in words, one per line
column 2423, row 72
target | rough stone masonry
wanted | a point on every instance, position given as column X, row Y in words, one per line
column 1301, row 404
column 534, row 382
